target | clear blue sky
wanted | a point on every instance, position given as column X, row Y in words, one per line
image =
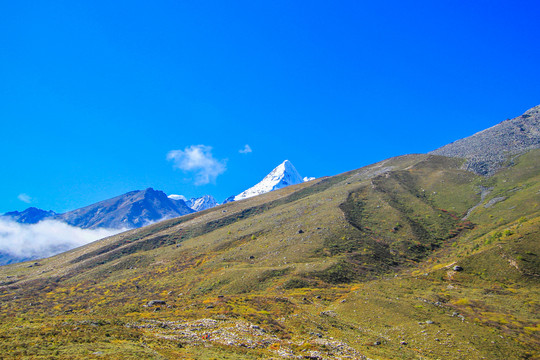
column 95, row 94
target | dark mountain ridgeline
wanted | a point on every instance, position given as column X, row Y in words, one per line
column 31, row 215
column 131, row 210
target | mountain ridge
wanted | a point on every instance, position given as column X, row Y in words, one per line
column 488, row 150
column 130, row 210
column 31, row 215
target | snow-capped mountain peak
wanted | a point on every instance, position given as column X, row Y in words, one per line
column 202, row 203
column 196, row 204
column 283, row 175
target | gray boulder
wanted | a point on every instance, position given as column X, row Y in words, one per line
column 156, row 302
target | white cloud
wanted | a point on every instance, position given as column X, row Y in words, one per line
column 46, row 238
column 25, row 198
column 198, row 159
column 177, row 197
column 245, row 150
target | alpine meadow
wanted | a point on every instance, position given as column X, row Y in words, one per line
column 420, row 256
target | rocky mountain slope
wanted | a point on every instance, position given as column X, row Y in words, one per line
column 131, row 210
column 490, row 149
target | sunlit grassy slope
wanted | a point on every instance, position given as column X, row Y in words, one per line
column 358, row 265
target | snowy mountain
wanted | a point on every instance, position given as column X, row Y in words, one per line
column 283, row 175
column 202, row 203
column 196, row 204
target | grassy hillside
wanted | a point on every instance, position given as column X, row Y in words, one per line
column 358, row 265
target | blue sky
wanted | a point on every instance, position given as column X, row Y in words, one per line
column 99, row 98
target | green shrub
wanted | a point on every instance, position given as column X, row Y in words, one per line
column 296, row 284
column 339, row 273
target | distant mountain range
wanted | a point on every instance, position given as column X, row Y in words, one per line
column 136, row 209
column 143, row 207
column 131, row 210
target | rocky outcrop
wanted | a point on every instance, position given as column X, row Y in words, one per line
column 490, row 149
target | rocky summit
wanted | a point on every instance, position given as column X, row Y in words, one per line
column 493, row 148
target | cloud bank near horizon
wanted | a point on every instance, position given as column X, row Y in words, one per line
column 199, row 160
column 46, row 238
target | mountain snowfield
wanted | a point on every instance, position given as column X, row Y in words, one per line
column 202, row 203
column 283, row 175
column 196, row 204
